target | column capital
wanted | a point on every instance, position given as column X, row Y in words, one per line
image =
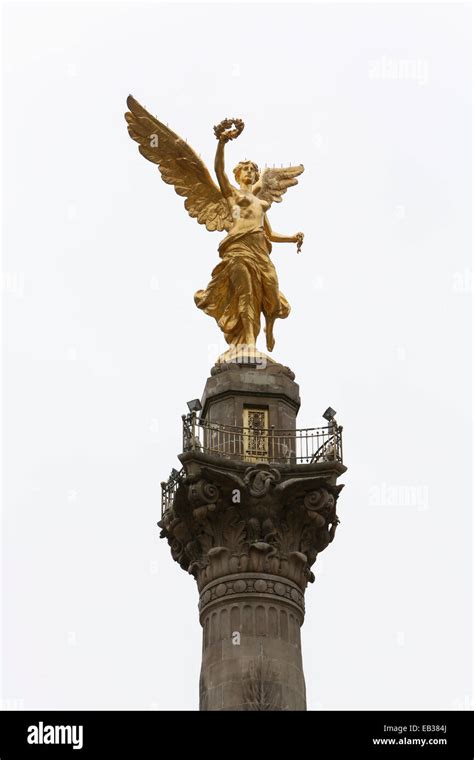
column 252, row 518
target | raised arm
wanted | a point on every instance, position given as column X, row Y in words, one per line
column 222, row 178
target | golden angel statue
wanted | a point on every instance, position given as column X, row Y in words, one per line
column 244, row 284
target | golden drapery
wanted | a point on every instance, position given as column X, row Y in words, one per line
column 243, row 286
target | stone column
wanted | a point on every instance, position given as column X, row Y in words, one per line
column 251, row 657
column 249, row 532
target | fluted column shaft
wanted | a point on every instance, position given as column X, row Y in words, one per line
column 251, row 657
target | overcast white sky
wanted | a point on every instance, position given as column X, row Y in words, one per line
column 104, row 345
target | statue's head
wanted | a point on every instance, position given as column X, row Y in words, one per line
column 246, row 173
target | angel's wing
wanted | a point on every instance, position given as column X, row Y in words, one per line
column 179, row 166
column 274, row 183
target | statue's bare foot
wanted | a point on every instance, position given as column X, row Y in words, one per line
column 269, row 336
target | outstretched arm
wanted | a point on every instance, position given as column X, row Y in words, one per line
column 222, row 178
column 275, row 237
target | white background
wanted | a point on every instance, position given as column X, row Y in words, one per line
column 104, row 345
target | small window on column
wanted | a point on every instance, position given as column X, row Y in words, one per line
column 256, row 434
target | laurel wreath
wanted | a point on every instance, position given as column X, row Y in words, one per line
column 224, row 129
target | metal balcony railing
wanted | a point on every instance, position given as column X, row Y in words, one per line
column 303, row 446
column 169, row 488
column 307, row 445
